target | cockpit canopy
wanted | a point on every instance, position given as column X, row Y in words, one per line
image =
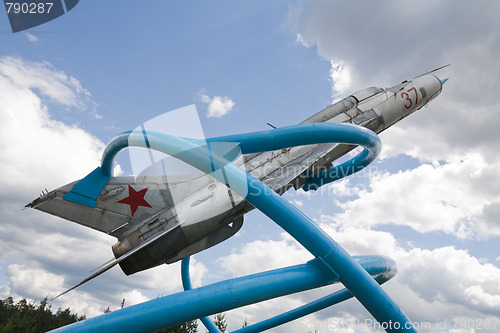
column 367, row 93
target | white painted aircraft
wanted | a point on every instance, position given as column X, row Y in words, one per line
column 163, row 219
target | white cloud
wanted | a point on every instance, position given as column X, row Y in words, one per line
column 133, row 297
column 31, row 38
column 299, row 39
column 365, row 37
column 455, row 198
column 255, row 257
column 117, row 170
column 32, row 143
column 451, row 276
column 297, row 203
column 42, row 77
column 341, row 79
column 217, row 106
column 342, row 188
column 22, row 278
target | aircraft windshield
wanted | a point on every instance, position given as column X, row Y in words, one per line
column 367, row 93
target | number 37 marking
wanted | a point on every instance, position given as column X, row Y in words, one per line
column 407, row 97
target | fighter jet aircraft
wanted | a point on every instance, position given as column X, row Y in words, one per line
column 160, row 220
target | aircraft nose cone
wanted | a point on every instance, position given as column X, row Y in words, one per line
column 443, row 81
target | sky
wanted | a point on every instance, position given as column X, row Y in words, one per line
column 431, row 201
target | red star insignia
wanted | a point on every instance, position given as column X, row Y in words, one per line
column 135, row 199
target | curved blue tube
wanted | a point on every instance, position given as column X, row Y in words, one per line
column 187, row 305
column 313, row 133
column 336, row 263
column 177, row 308
column 385, row 267
column 111, row 151
column 186, row 283
column 280, row 138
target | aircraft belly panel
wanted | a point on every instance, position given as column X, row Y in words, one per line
column 155, row 253
column 215, row 237
column 210, row 202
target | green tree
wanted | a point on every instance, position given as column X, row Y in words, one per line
column 43, row 316
column 220, row 322
column 25, row 317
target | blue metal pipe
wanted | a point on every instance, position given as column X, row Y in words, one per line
column 218, row 297
column 382, row 268
column 313, row 134
column 337, row 262
column 186, row 283
column 196, row 303
column 372, row 264
column 256, row 142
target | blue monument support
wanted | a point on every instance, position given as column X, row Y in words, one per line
column 186, row 283
column 333, row 261
column 215, row 298
column 385, row 267
column 311, row 134
column 196, row 303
